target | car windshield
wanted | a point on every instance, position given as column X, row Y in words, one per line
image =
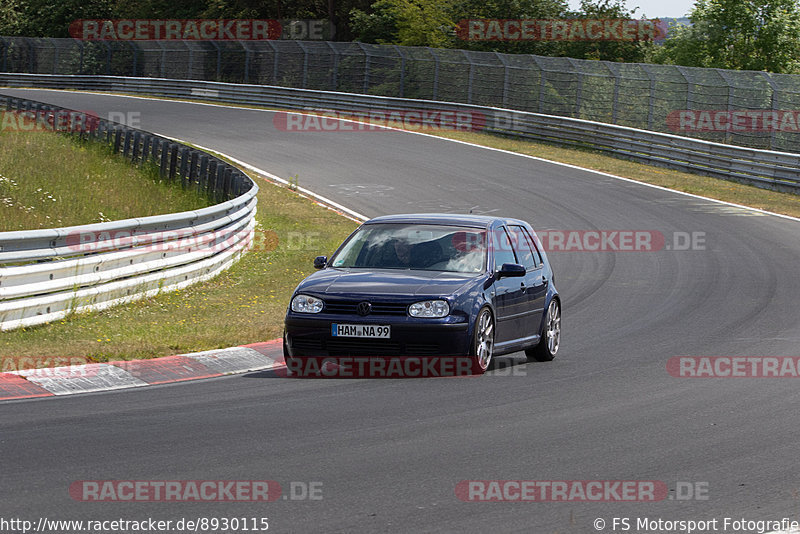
column 414, row 246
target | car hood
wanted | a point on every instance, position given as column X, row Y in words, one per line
column 357, row 282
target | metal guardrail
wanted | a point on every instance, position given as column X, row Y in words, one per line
column 48, row 274
column 763, row 168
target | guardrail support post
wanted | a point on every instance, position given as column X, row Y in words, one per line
column 173, row 160
column 183, row 171
column 164, row 165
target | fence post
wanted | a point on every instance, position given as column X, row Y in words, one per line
column 126, row 144
column 219, row 60
column 367, row 58
column 614, row 70
column 193, row 170
column 775, row 97
column 305, row 63
column 4, row 46
column 579, row 88
column 729, row 106
column 191, row 60
column 161, row 71
column 80, row 60
column 164, row 166
column 470, row 76
column 108, row 58
column 542, row 84
column 435, row 72
column 502, row 59
column 183, row 170
column 335, row 66
column 202, row 176
column 402, row 71
column 173, row 160
column 137, row 139
column 689, row 87
column 274, row 62
column 652, row 101
column 247, row 54
column 55, row 55
column 135, row 57
column 147, row 140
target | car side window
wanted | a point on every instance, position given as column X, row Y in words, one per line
column 537, row 254
column 503, row 251
column 524, row 252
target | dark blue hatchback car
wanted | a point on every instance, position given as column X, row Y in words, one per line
column 429, row 285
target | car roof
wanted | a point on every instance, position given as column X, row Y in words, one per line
column 477, row 221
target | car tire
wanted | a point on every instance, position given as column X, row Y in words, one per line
column 550, row 339
column 482, row 341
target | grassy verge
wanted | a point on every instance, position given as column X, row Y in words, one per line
column 49, row 180
column 245, row 304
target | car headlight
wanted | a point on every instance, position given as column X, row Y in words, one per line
column 429, row 308
column 306, row 304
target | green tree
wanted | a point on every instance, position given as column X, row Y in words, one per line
column 514, row 9
column 737, row 34
column 406, row 22
column 46, row 18
column 10, row 15
column 627, row 51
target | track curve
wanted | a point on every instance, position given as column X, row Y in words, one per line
column 390, row 453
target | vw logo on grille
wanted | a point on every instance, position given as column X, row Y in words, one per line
column 363, row 308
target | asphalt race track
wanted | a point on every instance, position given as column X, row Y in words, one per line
column 389, row 453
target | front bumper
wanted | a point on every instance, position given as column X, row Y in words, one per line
column 311, row 336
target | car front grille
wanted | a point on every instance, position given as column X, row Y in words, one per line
column 348, row 307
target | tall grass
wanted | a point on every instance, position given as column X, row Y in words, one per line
column 49, row 180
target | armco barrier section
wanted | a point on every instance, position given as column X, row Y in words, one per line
column 763, row 168
column 48, row 274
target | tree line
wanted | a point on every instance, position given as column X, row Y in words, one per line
column 732, row 34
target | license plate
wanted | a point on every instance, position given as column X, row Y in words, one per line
column 360, row 330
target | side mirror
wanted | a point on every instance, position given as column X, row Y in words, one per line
column 510, row 270
column 320, row 262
